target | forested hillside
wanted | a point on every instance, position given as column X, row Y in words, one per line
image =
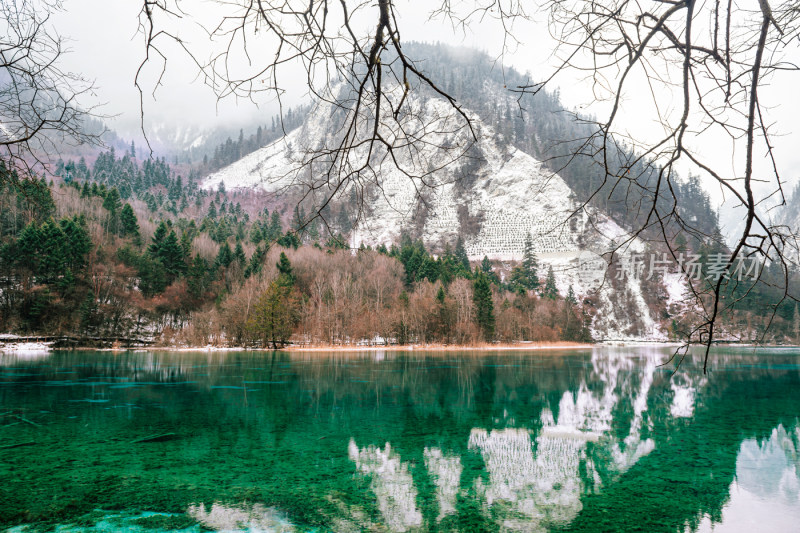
column 130, row 248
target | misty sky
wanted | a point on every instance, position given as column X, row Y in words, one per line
column 107, row 48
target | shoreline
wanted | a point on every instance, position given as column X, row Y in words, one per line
column 23, row 348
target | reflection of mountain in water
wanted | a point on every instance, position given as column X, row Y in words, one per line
column 760, row 464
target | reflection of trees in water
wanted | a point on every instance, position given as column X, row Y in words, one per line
column 529, row 440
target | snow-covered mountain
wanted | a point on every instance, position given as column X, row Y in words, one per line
column 488, row 192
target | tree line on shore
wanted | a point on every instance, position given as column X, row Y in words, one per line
column 77, row 257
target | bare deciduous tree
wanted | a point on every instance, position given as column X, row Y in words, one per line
column 353, row 61
column 39, row 101
column 714, row 59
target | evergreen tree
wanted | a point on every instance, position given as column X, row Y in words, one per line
column 78, row 241
column 518, row 280
column 129, row 224
column 238, row 254
column 571, row 299
column 256, row 261
column 167, row 250
column 445, row 319
column 530, row 265
column 171, row 256
column 186, row 240
column 158, row 239
column 88, row 313
column 275, row 229
column 486, row 268
column 53, row 255
column 152, row 275
column 112, row 202
column 289, row 240
column 285, row 274
column 196, row 276
column 550, row 290
column 484, row 307
column 224, row 257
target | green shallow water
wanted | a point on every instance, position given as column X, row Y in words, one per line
column 588, row 440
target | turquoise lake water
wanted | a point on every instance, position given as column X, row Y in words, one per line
column 601, row 439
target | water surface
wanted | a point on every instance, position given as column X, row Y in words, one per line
column 600, row 439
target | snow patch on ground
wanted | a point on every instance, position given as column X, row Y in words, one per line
column 26, row 347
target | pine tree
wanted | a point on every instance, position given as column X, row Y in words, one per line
column 484, row 307
column 285, row 273
column 486, row 265
column 53, row 254
column 112, row 202
column 275, row 229
column 171, row 256
column 530, row 265
column 78, row 241
column 289, row 240
column 571, row 299
column 224, row 257
column 152, row 206
column 486, row 268
column 445, row 321
column 129, row 224
column 256, row 261
column 461, row 257
column 186, row 241
column 28, row 245
column 238, row 254
column 196, row 276
column 158, row 239
column 550, row 290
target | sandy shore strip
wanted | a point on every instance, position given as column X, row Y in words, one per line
column 522, row 346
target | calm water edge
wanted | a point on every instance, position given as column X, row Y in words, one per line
column 600, row 439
